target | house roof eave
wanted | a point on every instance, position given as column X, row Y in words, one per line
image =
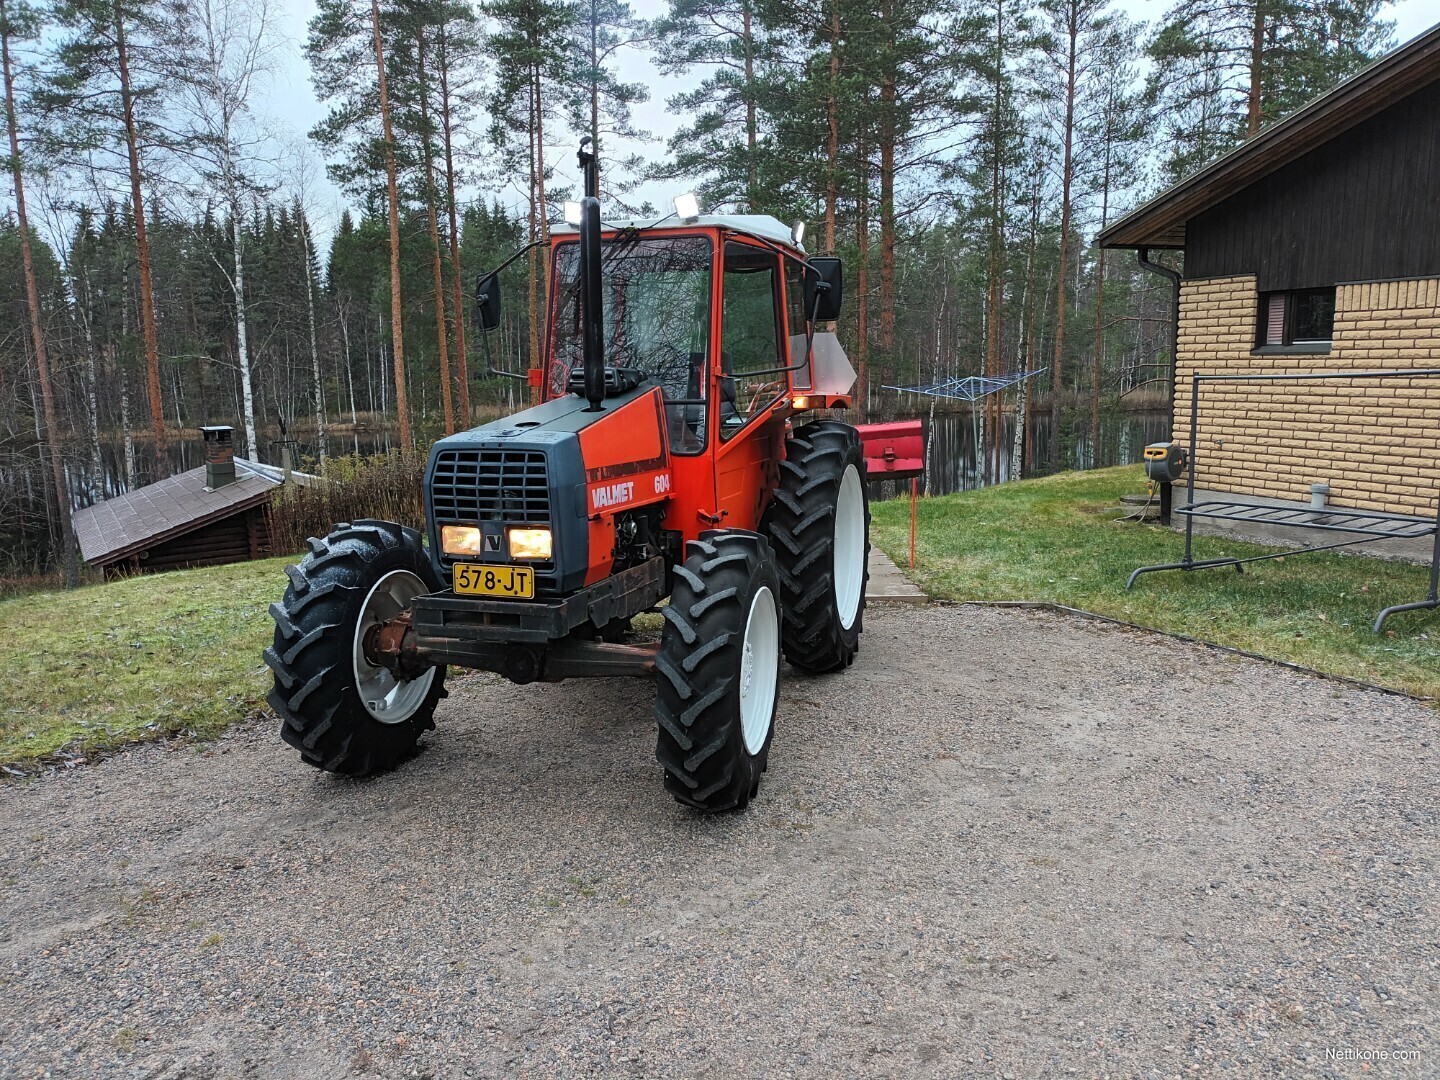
column 1161, row 221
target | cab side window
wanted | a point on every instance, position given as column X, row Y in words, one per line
column 751, row 338
column 795, row 307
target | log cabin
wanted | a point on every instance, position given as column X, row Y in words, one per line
column 207, row 516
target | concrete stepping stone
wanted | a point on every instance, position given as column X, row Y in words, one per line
column 888, row 584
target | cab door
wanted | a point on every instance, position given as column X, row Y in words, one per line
column 747, row 381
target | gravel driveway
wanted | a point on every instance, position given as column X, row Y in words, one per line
column 1005, row 844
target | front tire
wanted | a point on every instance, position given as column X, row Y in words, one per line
column 819, row 525
column 344, row 714
column 718, row 671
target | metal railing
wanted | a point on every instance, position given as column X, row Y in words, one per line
column 1372, row 525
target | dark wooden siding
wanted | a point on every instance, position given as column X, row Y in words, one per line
column 233, row 539
column 1364, row 206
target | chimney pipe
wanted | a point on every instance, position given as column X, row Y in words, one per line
column 219, row 456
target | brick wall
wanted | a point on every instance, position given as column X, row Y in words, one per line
column 1375, row 442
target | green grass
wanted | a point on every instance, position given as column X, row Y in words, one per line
column 151, row 656
column 136, row 659
column 1058, row 539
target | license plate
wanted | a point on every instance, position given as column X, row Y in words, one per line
column 473, row 579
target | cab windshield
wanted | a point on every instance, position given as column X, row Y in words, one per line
column 656, row 298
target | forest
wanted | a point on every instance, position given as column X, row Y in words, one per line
column 164, row 270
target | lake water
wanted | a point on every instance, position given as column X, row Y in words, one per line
column 952, row 463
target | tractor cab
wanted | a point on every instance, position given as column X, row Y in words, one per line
column 716, row 311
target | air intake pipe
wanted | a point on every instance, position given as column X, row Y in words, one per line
column 592, row 319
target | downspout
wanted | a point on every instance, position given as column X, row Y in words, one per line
column 1174, row 275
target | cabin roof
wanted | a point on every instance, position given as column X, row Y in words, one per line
column 138, row 520
column 1160, row 223
column 762, row 226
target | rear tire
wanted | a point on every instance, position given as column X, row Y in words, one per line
column 819, row 526
column 343, row 714
column 718, row 671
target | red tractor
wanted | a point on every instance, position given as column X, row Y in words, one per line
column 664, row 460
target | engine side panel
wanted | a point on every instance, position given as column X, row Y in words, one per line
column 627, row 466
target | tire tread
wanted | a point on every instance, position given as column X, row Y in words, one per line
column 322, row 716
column 699, row 740
column 798, row 522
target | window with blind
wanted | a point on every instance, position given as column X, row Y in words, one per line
column 1297, row 317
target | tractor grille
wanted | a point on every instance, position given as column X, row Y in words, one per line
column 508, row 486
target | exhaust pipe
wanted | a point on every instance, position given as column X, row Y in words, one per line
column 592, row 327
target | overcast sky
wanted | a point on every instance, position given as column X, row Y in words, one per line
column 291, row 102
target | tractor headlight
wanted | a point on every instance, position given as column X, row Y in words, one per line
column 530, row 543
column 460, row 539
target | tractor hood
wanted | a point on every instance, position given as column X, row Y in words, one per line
column 559, row 465
column 569, row 413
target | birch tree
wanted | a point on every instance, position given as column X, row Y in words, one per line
column 231, row 47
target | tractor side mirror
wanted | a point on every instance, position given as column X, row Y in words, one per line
column 487, row 302
column 824, row 286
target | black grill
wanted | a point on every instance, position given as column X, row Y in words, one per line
column 509, row 486
column 491, row 485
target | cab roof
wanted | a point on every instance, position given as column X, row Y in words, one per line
column 761, row 226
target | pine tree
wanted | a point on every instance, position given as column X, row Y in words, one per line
column 722, row 146
column 1075, row 32
column 18, row 21
column 1224, row 69
column 1112, row 133
column 534, row 65
column 347, row 48
column 108, row 75
column 412, row 96
column 918, row 68
column 1001, row 37
column 457, row 57
column 598, row 102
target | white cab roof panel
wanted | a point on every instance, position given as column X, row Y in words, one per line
column 759, row 225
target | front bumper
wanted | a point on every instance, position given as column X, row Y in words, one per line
column 447, row 624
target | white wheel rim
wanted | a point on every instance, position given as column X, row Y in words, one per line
column 759, row 670
column 386, row 697
column 849, row 547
